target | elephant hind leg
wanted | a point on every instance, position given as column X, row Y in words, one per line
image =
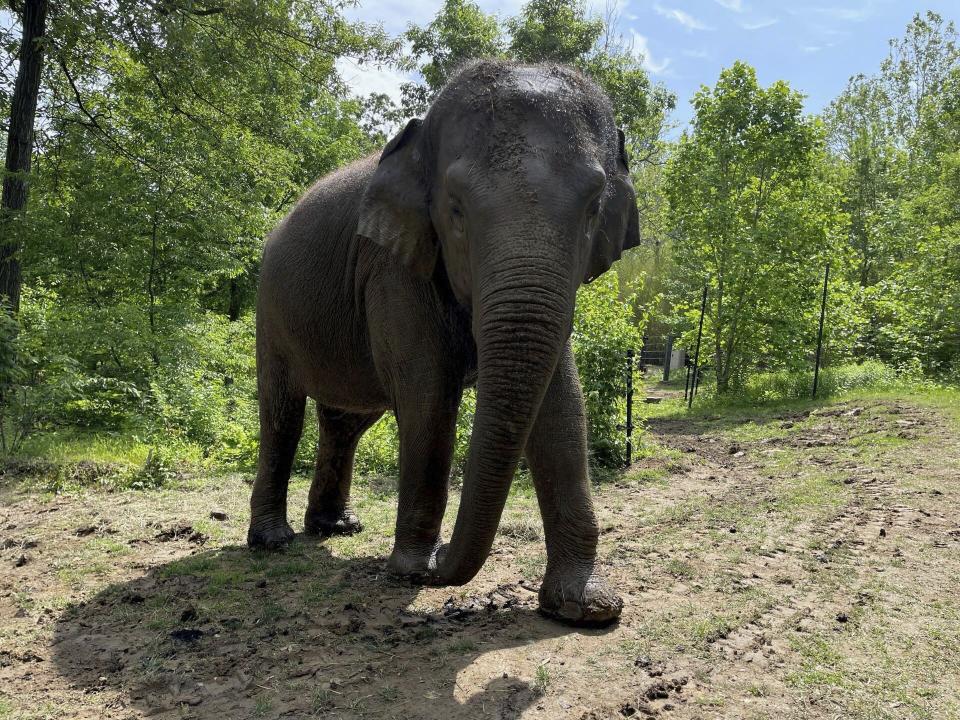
column 281, row 423
column 328, row 506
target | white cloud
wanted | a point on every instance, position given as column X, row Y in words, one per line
column 366, row 79
column 699, row 54
column 685, row 19
column 811, row 48
column 642, row 48
column 850, row 14
column 735, row 5
column 759, row 24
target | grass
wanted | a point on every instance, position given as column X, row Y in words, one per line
column 542, row 679
column 121, row 448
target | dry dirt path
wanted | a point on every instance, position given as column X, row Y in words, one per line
column 795, row 564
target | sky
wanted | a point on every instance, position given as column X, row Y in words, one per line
column 815, row 45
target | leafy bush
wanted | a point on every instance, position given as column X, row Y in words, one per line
column 37, row 382
column 379, row 449
column 206, row 391
column 833, row 381
column 603, row 331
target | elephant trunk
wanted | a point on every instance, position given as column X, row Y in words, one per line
column 523, row 311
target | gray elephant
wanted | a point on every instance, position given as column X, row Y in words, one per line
column 452, row 259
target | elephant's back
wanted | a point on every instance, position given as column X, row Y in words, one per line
column 306, row 304
column 320, row 226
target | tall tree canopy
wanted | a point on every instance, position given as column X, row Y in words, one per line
column 753, row 218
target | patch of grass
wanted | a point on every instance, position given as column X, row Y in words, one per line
column 262, row 707
column 322, row 700
column 389, row 693
column 646, row 476
column 526, row 528
column 680, row 569
column 271, row 611
column 287, row 566
column 821, row 664
column 462, row 647
column 542, row 679
column 710, row 629
column 196, row 565
column 108, row 546
column 815, row 491
column 532, row 565
column 70, row 446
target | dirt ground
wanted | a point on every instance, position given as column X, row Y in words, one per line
column 791, row 562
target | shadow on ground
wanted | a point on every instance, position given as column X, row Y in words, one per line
column 231, row 633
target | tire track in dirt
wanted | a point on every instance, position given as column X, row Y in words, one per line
column 871, row 510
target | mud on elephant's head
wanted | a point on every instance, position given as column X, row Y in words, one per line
column 514, row 189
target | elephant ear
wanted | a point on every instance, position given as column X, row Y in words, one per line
column 394, row 211
column 619, row 227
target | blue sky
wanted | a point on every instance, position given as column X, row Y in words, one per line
column 816, row 45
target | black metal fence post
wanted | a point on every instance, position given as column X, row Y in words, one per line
column 629, row 427
column 696, row 353
column 823, row 312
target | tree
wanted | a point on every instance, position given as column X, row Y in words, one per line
column 754, row 217
column 554, row 31
column 862, row 137
column 459, row 32
column 173, row 136
column 23, row 109
column 916, row 68
column 885, row 133
column 923, row 289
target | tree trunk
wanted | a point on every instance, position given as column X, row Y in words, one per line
column 23, row 110
column 236, row 300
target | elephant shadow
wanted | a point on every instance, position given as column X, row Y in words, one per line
column 231, row 633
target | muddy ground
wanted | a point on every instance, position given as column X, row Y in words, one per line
column 793, row 562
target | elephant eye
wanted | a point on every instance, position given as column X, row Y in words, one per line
column 593, row 209
column 456, row 216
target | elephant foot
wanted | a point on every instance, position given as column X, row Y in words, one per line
column 582, row 599
column 418, row 565
column 269, row 534
column 336, row 522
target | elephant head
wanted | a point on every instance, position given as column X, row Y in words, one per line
column 515, row 186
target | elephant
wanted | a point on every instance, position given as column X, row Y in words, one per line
column 449, row 260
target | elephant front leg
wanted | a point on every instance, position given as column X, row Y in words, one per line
column 572, row 590
column 428, row 429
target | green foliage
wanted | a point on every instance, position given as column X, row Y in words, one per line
column 553, row 31
column 378, row 452
column 205, row 392
column 754, row 217
column 894, row 136
column 604, row 329
column 460, row 31
column 786, row 385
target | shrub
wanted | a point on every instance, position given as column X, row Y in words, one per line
column 205, row 390
column 833, row 381
column 378, row 452
column 603, row 330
